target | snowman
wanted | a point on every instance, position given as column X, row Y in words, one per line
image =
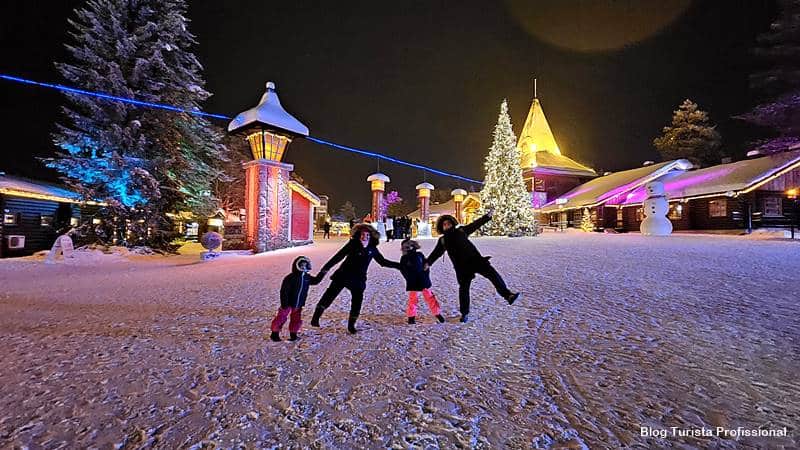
column 656, row 208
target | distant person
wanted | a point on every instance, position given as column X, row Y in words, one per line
column 359, row 251
column 467, row 260
column 418, row 280
column 389, row 228
column 294, row 290
column 326, row 230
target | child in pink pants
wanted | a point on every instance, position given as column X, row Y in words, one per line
column 294, row 290
column 418, row 279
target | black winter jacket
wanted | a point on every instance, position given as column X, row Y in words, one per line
column 353, row 271
column 411, row 266
column 294, row 288
column 467, row 260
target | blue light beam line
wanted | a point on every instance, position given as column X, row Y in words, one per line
column 131, row 101
column 390, row 159
column 110, row 97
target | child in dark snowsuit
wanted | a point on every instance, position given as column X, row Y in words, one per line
column 467, row 260
column 359, row 251
column 294, row 290
column 418, row 279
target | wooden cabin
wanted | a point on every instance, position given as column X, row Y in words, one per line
column 34, row 214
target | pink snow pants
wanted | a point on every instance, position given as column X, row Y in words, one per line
column 294, row 322
column 430, row 299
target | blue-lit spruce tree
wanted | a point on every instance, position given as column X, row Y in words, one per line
column 504, row 188
column 144, row 163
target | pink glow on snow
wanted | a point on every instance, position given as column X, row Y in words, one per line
column 675, row 187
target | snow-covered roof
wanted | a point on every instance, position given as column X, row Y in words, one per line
column 448, row 207
column 269, row 112
column 613, row 186
column 424, row 186
column 23, row 187
column 732, row 178
column 378, row 177
column 551, row 163
column 305, row 192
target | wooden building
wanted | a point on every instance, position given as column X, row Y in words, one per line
column 34, row 213
column 547, row 172
column 736, row 196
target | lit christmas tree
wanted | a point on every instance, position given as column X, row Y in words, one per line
column 143, row 162
column 504, row 188
column 586, row 221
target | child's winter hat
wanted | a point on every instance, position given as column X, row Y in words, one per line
column 408, row 244
column 298, row 261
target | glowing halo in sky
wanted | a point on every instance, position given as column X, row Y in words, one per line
column 595, row 25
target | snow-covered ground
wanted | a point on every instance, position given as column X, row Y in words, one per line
column 613, row 333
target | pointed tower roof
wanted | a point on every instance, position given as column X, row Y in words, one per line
column 538, row 148
column 269, row 112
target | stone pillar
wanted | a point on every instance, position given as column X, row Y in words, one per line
column 378, row 186
column 267, row 206
column 458, row 199
column 424, row 196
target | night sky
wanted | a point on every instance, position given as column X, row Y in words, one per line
column 423, row 80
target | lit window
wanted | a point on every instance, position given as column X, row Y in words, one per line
column 46, row 221
column 10, row 218
column 74, row 221
column 717, row 208
column 639, row 214
column 620, row 216
column 97, row 221
column 773, row 207
column 675, row 211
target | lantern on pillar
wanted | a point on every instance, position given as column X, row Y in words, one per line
column 458, row 199
column 424, row 196
column 269, row 129
column 377, row 184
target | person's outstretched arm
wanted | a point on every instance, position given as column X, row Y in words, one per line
column 385, row 262
column 337, row 258
column 477, row 223
column 437, row 252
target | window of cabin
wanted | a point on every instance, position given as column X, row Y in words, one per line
column 74, row 221
column 717, row 208
column 675, row 211
column 10, row 218
column 773, row 207
column 620, row 217
column 46, row 221
column 639, row 214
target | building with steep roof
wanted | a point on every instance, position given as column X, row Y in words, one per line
column 547, row 172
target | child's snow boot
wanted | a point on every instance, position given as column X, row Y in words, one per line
column 440, row 318
column 412, row 320
column 275, row 337
column 293, row 337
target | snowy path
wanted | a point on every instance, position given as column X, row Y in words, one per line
column 613, row 333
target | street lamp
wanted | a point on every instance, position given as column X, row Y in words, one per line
column 792, row 194
column 269, row 129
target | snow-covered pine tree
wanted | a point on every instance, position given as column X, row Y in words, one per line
column 778, row 81
column 586, row 221
column 145, row 163
column 504, row 188
column 690, row 135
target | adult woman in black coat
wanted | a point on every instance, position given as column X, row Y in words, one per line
column 359, row 251
column 467, row 260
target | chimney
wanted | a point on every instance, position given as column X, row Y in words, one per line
column 607, row 173
column 647, row 163
column 753, row 154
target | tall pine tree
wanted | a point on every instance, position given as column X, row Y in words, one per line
column 690, row 135
column 145, row 163
column 778, row 81
column 504, row 188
